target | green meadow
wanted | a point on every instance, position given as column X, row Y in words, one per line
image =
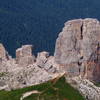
column 51, row 90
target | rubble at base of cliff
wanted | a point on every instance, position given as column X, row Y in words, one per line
column 85, row 87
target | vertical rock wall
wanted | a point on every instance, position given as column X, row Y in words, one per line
column 24, row 55
column 78, row 48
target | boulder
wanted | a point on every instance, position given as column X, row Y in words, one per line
column 78, row 48
column 51, row 66
column 42, row 58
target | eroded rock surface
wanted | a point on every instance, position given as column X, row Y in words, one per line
column 42, row 58
column 3, row 53
column 78, row 48
column 86, row 88
column 25, row 69
column 24, row 55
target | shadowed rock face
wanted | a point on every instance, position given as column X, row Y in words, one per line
column 78, row 48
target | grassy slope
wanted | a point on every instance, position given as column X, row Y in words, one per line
column 58, row 91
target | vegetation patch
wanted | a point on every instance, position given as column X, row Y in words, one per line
column 97, row 84
column 51, row 90
column 3, row 74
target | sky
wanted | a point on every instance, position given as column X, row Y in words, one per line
column 38, row 22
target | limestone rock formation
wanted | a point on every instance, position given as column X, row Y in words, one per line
column 47, row 62
column 24, row 55
column 25, row 69
column 78, row 48
column 51, row 66
column 3, row 53
column 4, row 58
column 42, row 58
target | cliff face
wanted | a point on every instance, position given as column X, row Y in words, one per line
column 78, row 48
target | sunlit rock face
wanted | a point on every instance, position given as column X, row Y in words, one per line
column 4, row 58
column 78, row 48
column 47, row 62
column 3, row 53
column 42, row 58
column 24, row 55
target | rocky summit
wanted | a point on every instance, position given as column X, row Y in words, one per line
column 77, row 56
column 78, row 48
